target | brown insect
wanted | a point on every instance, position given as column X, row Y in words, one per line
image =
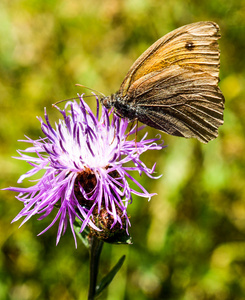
column 173, row 85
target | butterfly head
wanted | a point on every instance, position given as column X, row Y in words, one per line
column 108, row 101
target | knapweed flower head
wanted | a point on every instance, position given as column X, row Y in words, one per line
column 85, row 158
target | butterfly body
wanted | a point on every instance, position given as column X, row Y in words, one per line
column 173, row 85
column 123, row 107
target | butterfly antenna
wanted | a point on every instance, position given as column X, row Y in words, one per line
column 63, row 100
column 73, row 98
column 77, row 84
column 89, row 89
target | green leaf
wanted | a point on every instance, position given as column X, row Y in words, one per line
column 109, row 277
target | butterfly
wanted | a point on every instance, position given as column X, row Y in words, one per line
column 173, row 85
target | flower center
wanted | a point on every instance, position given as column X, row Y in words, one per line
column 87, row 180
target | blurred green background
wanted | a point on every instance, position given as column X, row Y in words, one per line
column 189, row 240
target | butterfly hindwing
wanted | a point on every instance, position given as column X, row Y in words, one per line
column 179, row 101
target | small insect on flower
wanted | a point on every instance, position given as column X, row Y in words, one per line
column 85, row 159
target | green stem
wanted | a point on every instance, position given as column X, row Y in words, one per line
column 95, row 251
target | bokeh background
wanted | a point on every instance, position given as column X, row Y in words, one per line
column 189, row 240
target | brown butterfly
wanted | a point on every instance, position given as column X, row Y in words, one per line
column 173, row 85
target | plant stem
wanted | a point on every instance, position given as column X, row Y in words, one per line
column 95, row 251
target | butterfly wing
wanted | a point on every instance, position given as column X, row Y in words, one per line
column 193, row 44
column 179, row 101
column 173, row 84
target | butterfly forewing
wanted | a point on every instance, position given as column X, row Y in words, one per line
column 194, row 44
column 173, row 86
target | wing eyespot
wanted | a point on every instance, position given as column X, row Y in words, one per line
column 189, row 46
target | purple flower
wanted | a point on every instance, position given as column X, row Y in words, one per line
column 85, row 162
